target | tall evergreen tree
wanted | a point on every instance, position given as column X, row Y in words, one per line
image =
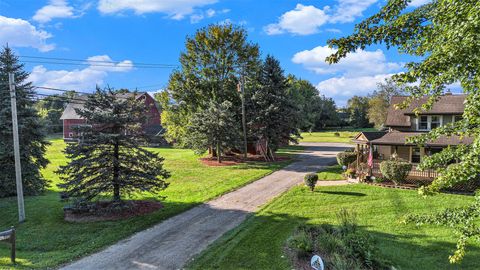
column 358, row 111
column 109, row 157
column 31, row 132
column 273, row 117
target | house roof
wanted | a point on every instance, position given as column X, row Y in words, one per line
column 70, row 112
column 447, row 104
column 399, row 138
column 368, row 136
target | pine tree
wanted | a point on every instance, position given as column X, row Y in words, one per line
column 215, row 126
column 109, row 158
column 31, row 132
column 272, row 116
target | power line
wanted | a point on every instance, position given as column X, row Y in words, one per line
column 99, row 61
column 98, row 65
column 61, row 90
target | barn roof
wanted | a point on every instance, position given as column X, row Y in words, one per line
column 70, row 112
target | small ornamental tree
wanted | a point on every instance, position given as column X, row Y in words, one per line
column 311, row 180
column 109, row 158
column 215, row 126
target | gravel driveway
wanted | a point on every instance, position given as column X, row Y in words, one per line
column 171, row 243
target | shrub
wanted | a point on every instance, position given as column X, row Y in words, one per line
column 336, row 134
column 350, row 173
column 311, row 180
column 301, row 242
column 395, row 170
column 345, row 158
column 377, row 179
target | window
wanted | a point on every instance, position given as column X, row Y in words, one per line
column 431, row 151
column 457, row 118
column 423, row 125
column 415, row 155
column 435, row 121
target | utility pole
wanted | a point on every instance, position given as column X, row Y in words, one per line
column 244, row 122
column 16, row 148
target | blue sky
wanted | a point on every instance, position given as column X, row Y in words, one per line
column 154, row 31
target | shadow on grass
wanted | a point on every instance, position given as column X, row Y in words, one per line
column 260, row 238
column 344, row 193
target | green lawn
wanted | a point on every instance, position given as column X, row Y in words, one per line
column 346, row 135
column 259, row 242
column 45, row 240
column 331, row 173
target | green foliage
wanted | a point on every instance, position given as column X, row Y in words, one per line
column 272, row 116
column 336, row 134
column 463, row 220
column 31, row 131
column 109, row 158
column 357, row 108
column 301, row 242
column 444, row 35
column 210, row 67
column 317, row 111
column 342, row 247
column 379, row 101
column 215, row 126
column 395, row 170
column 346, row 158
column 311, row 180
column 50, row 110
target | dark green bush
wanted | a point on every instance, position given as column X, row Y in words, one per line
column 345, row 158
column 311, row 180
column 395, row 170
column 336, row 134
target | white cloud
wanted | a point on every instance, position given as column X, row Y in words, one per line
column 79, row 79
column 55, row 9
column 176, row 9
column 20, row 33
column 306, row 20
column 349, row 10
column 303, row 20
column 342, row 88
column 417, row 3
column 209, row 13
column 358, row 63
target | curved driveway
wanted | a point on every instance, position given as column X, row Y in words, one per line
column 171, row 243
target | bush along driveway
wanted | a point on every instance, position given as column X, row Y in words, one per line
column 170, row 244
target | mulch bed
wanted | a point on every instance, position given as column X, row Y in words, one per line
column 235, row 160
column 103, row 211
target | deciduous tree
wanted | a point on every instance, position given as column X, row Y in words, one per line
column 379, row 101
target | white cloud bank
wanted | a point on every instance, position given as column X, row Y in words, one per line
column 307, row 20
column 356, row 74
column 79, row 79
column 176, row 9
column 20, row 33
column 358, row 63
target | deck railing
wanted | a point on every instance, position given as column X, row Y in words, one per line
column 414, row 173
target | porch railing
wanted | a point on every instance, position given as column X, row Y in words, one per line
column 414, row 173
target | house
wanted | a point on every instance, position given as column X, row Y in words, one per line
column 402, row 124
column 71, row 119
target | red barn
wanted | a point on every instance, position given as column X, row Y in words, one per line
column 71, row 119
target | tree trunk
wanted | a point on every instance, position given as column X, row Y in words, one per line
column 219, row 153
column 116, row 173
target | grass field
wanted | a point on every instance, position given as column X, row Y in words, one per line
column 259, row 242
column 331, row 173
column 45, row 240
column 346, row 135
